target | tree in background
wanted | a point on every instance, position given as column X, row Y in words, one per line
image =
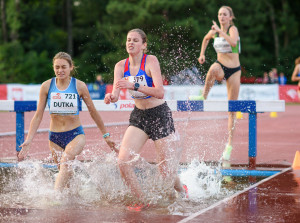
column 94, row 32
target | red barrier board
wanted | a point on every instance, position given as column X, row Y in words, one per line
column 289, row 93
column 3, row 92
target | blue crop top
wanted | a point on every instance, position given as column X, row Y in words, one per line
column 66, row 102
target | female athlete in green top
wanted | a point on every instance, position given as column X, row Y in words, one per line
column 227, row 45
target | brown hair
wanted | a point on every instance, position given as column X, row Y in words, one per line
column 297, row 61
column 68, row 58
column 230, row 13
column 142, row 34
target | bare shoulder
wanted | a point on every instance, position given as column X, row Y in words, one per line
column 46, row 85
column 120, row 64
column 80, row 84
column 152, row 59
column 233, row 28
column 210, row 34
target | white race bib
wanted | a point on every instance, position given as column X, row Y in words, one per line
column 221, row 45
column 137, row 79
column 63, row 103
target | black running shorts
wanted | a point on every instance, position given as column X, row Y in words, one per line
column 156, row 122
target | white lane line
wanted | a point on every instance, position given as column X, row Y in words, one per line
column 125, row 123
column 191, row 217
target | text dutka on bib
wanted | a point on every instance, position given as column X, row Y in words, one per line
column 64, row 103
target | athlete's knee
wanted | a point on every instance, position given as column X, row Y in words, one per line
column 166, row 168
column 66, row 157
column 232, row 115
column 214, row 70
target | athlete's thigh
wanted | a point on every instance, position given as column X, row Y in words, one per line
column 75, row 147
column 216, row 70
column 167, row 147
column 132, row 142
column 233, row 85
column 55, row 149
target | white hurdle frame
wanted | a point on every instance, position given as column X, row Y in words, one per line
column 246, row 106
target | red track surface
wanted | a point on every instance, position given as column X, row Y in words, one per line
column 278, row 139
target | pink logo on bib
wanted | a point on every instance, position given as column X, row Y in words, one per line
column 57, row 96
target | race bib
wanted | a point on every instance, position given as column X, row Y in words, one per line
column 137, row 79
column 221, row 45
column 63, row 103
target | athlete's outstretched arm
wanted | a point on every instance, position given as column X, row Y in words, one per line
column 205, row 42
column 85, row 95
column 36, row 120
column 118, row 75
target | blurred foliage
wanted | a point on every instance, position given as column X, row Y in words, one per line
column 36, row 30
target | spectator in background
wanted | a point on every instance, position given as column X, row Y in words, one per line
column 272, row 79
column 275, row 75
column 266, row 79
column 165, row 81
column 282, row 79
column 99, row 80
column 296, row 74
column 101, row 87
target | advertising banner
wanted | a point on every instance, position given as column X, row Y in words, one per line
column 289, row 93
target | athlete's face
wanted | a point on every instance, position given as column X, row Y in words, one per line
column 224, row 16
column 62, row 68
column 134, row 43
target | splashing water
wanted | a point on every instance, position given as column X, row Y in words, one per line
column 98, row 183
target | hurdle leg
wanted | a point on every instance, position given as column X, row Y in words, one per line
column 252, row 139
column 19, row 130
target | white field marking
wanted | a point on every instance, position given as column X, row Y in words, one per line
column 231, row 197
column 125, row 123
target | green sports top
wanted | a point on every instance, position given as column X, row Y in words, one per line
column 222, row 46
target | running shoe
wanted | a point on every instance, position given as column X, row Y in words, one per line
column 138, row 207
column 186, row 191
column 227, row 152
column 196, row 98
column 227, row 179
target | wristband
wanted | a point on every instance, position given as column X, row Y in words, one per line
column 106, row 135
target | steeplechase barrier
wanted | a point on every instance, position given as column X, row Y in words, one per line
column 246, row 106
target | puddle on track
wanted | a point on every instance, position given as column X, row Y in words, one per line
column 97, row 184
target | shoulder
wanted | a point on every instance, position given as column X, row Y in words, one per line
column 233, row 28
column 46, row 85
column 81, row 87
column 80, row 84
column 151, row 59
column 120, row 64
column 210, row 34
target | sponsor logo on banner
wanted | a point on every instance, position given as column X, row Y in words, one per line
column 17, row 93
column 128, row 105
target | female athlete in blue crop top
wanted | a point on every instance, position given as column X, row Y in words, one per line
column 66, row 134
column 227, row 46
column 151, row 117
